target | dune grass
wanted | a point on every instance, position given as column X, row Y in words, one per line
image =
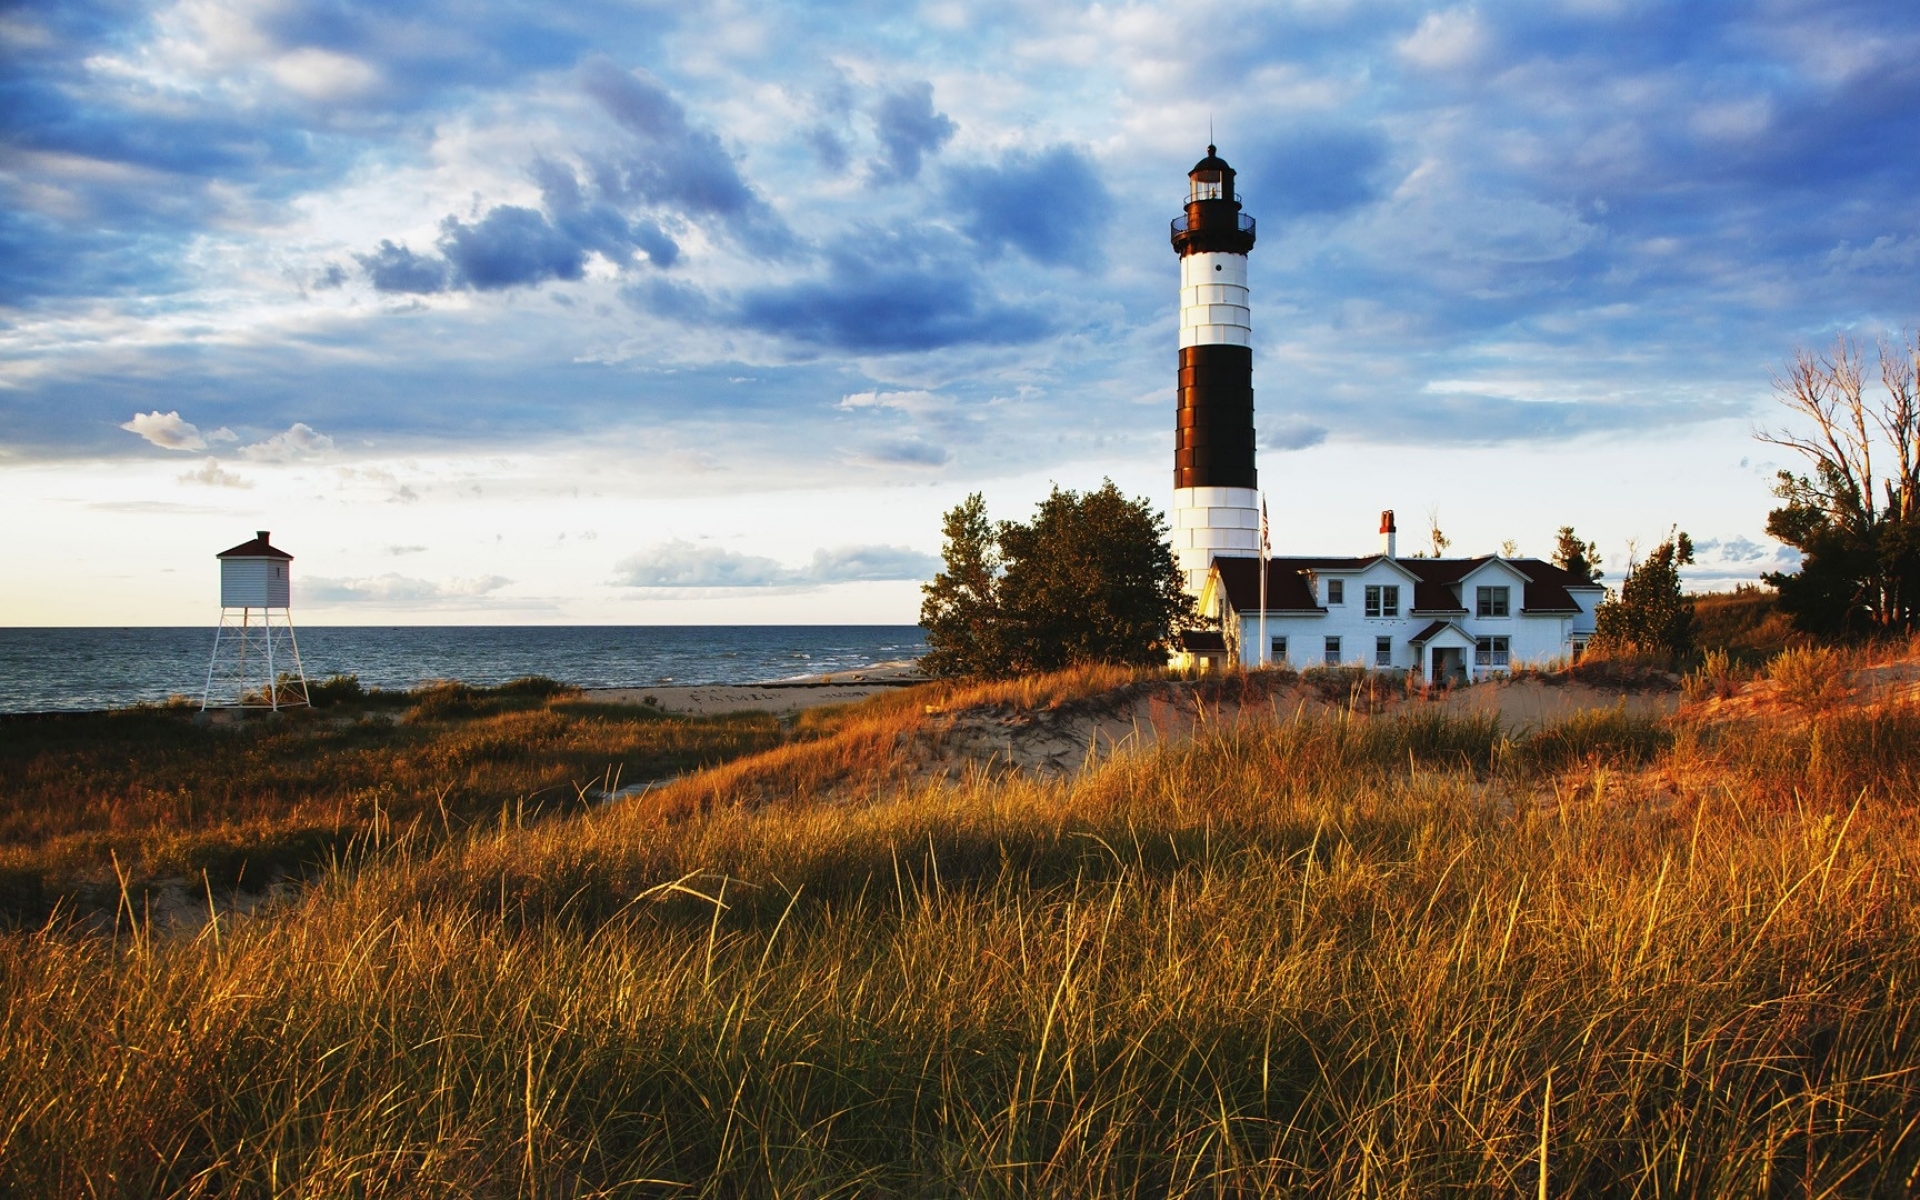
column 149, row 792
column 1326, row 955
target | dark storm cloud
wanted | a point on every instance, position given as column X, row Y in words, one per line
column 1050, row 205
column 909, row 130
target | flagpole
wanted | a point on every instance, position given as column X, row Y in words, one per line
column 1266, row 647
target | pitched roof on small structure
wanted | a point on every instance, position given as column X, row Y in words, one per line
column 1196, row 641
column 257, row 548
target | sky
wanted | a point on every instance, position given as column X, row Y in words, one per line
column 637, row 313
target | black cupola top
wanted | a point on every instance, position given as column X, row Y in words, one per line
column 1213, row 221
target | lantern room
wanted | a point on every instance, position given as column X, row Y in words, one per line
column 1212, row 222
column 256, row 574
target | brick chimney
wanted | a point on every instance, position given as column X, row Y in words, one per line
column 1387, row 530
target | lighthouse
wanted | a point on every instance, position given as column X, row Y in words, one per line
column 256, row 658
column 1216, row 504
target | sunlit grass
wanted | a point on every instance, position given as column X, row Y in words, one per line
column 1324, row 954
column 152, row 792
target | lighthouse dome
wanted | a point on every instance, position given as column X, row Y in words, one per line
column 1212, row 162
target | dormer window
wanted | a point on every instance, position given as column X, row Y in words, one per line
column 1383, row 600
column 1336, row 591
column 1491, row 602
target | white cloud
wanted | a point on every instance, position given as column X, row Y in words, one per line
column 213, row 475
column 298, row 442
column 1445, row 41
column 917, row 403
column 169, row 431
column 681, row 564
column 324, row 75
column 393, row 588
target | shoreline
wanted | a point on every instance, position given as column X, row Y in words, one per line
column 694, row 699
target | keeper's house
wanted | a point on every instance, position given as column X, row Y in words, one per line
column 1443, row 618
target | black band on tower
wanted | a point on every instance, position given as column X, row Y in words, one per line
column 1213, row 436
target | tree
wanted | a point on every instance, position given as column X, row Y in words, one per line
column 961, row 610
column 1439, row 541
column 1576, row 557
column 1857, row 526
column 1091, row 579
column 1650, row 615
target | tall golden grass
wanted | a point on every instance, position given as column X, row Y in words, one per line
column 151, row 793
column 1326, row 955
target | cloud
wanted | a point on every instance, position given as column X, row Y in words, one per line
column 888, row 293
column 396, row 589
column 682, row 564
column 396, row 551
column 849, row 563
column 915, row 403
column 671, row 162
column 1313, row 168
column 679, row 564
column 509, row 246
column 1293, row 434
column 1050, row 205
column 905, row 452
column 1446, row 41
column 167, row 430
column 393, row 268
column 212, row 474
column 298, row 442
column 908, row 129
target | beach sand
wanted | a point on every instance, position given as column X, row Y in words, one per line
column 784, row 696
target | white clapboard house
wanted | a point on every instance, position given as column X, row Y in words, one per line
column 1441, row 618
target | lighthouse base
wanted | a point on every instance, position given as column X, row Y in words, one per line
column 1209, row 522
column 256, row 662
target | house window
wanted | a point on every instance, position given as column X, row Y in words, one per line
column 1579, row 648
column 1383, row 652
column 1280, row 649
column 1490, row 601
column 1490, row 651
column 1336, row 591
column 1373, row 600
column 1333, row 651
column 1383, row 600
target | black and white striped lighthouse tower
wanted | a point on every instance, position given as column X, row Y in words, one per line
column 1216, row 507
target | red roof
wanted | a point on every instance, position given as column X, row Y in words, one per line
column 1289, row 588
column 257, row 548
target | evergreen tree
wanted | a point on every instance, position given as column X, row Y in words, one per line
column 961, row 610
column 1576, row 557
column 1091, row 579
column 1650, row 615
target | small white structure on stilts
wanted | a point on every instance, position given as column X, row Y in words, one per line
column 256, row 659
